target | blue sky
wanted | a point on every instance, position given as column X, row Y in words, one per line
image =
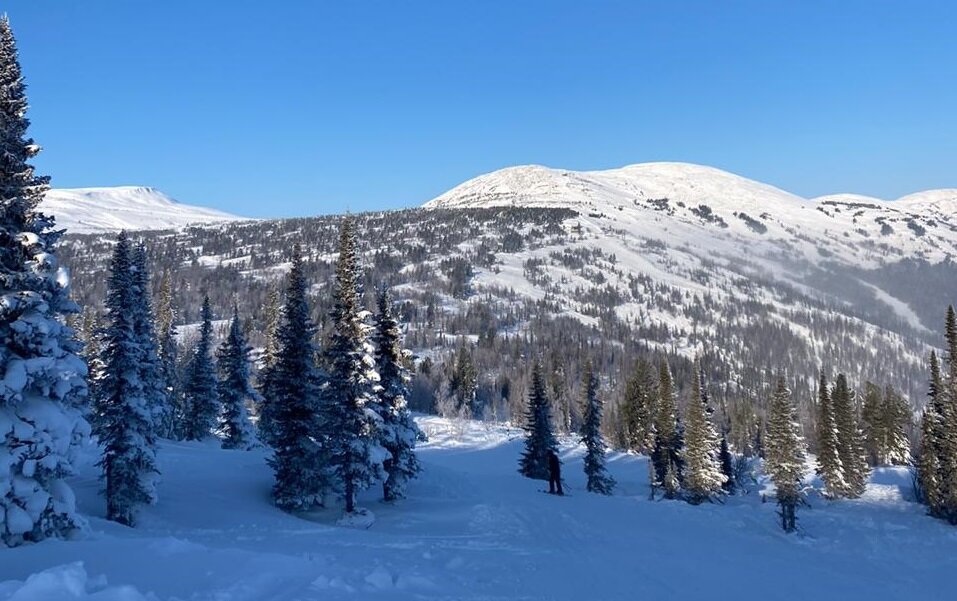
column 307, row 107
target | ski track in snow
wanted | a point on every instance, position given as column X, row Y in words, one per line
column 473, row 529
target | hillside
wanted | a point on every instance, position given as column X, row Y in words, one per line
column 86, row 210
column 472, row 528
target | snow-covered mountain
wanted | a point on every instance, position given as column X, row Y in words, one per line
column 718, row 211
column 90, row 210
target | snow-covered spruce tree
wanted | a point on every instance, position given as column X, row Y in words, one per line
column 299, row 461
column 702, row 471
column 168, row 351
column 200, row 395
column 599, row 480
column 897, row 422
column 638, row 407
column 352, row 386
column 43, row 392
column 850, row 438
column 947, row 434
column 784, row 454
column 872, row 422
column 463, row 382
column 144, row 325
column 930, row 475
column 235, row 388
column 667, row 451
column 726, row 460
column 267, row 383
column 829, row 466
column 123, row 417
column 539, row 439
column 398, row 432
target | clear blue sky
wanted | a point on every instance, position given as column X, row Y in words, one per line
column 306, row 107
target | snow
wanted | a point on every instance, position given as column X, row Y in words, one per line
column 92, row 210
column 472, row 528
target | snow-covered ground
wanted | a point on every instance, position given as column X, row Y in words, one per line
column 472, row 529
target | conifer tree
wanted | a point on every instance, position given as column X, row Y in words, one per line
column 897, row 421
column 639, row 407
column 200, row 395
column 299, row 459
column 872, row 420
column 464, row 382
column 726, row 460
column 599, row 480
column 850, row 439
column 42, row 392
column 168, row 351
column 702, row 471
column 784, row 453
column 235, row 388
column 398, row 431
column 928, row 463
column 123, row 417
column 267, row 383
column 352, row 386
column 539, row 439
column 829, row 465
column 947, row 433
column 666, row 454
column 144, row 324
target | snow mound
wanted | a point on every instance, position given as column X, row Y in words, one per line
column 91, row 210
column 65, row 583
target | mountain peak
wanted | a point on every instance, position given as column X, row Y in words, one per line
column 110, row 209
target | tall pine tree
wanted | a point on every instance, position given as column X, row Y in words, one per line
column 539, row 439
column 299, row 461
column 850, row 438
column 200, row 394
column 702, row 471
column 352, row 386
column 667, row 451
column 784, row 454
column 599, row 480
column 144, row 325
column 43, row 393
column 398, row 432
column 235, row 389
column 123, row 417
column 638, row 407
column 829, row 465
column 269, row 387
column 168, row 351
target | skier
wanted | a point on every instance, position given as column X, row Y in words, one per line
column 554, row 474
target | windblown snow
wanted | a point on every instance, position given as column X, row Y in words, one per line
column 473, row 529
column 91, row 210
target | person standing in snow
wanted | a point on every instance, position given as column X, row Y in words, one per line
column 554, row 474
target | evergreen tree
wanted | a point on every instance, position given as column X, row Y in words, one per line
column 897, row 420
column 235, row 388
column 784, row 453
column 928, row 463
column 299, row 460
column 726, row 460
column 144, row 326
column 398, row 431
column 875, row 429
column 123, row 417
column 168, row 351
column 599, row 480
column 269, row 387
column 464, row 382
column 829, row 465
column 947, row 433
column 639, row 407
column 702, row 471
column 200, row 396
column 539, row 439
column 850, row 439
column 43, row 392
column 666, row 454
column 352, row 386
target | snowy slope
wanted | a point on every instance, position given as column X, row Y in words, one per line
column 755, row 217
column 473, row 529
column 88, row 210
